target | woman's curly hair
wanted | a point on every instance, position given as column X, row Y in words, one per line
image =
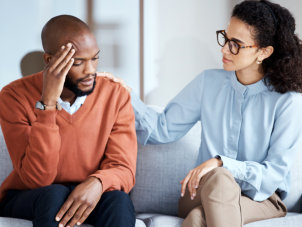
column 273, row 25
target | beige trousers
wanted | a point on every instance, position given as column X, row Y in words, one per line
column 219, row 203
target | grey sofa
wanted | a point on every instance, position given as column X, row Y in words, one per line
column 159, row 170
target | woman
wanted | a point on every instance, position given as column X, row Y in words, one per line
column 250, row 114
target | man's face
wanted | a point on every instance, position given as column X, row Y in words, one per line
column 81, row 77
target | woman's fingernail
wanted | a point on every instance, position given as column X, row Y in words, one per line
column 194, row 194
column 182, row 194
column 78, row 223
column 57, row 219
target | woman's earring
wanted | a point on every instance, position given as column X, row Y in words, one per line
column 259, row 61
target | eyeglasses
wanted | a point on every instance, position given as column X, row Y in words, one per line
column 234, row 46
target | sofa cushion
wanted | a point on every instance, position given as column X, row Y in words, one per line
column 14, row 222
column 160, row 168
column 291, row 220
column 154, row 220
column 159, row 220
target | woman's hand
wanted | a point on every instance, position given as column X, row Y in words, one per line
column 193, row 178
column 117, row 80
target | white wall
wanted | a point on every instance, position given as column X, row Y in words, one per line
column 180, row 42
column 295, row 7
column 117, row 30
column 21, row 23
column 180, row 38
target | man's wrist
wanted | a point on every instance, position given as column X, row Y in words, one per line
column 97, row 180
column 42, row 106
column 49, row 106
column 48, row 101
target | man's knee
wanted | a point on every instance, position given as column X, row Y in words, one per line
column 46, row 202
column 52, row 197
column 114, row 209
column 118, row 200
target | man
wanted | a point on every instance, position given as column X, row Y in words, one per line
column 75, row 164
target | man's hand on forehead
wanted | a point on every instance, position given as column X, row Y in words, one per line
column 55, row 73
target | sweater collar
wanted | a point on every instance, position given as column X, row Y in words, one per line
column 247, row 90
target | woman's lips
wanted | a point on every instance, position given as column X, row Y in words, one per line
column 225, row 60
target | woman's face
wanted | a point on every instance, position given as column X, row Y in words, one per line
column 240, row 32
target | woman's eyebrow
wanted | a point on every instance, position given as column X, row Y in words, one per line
column 237, row 40
column 234, row 39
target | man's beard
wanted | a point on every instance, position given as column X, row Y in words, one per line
column 73, row 86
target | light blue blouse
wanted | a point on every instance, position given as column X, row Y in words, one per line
column 254, row 129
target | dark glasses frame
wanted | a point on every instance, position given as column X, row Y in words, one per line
column 230, row 42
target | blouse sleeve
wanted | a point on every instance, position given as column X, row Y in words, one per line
column 174, row 121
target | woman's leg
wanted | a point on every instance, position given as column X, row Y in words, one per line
column 252, row 211
column 218, row 198
column 219, row 203
column 196, row 218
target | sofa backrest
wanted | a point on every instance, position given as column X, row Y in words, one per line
column 160, row 168
column 5, row 161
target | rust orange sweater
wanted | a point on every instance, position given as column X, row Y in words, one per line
column 50, row 146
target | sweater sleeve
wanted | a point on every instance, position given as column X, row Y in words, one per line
column 33, row 146
column 117, row 169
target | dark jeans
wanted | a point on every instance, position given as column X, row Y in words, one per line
column 41, row 206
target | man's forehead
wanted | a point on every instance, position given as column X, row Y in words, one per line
column 83, row 44
column 86, row 55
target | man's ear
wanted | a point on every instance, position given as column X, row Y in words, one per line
column 47, row 58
